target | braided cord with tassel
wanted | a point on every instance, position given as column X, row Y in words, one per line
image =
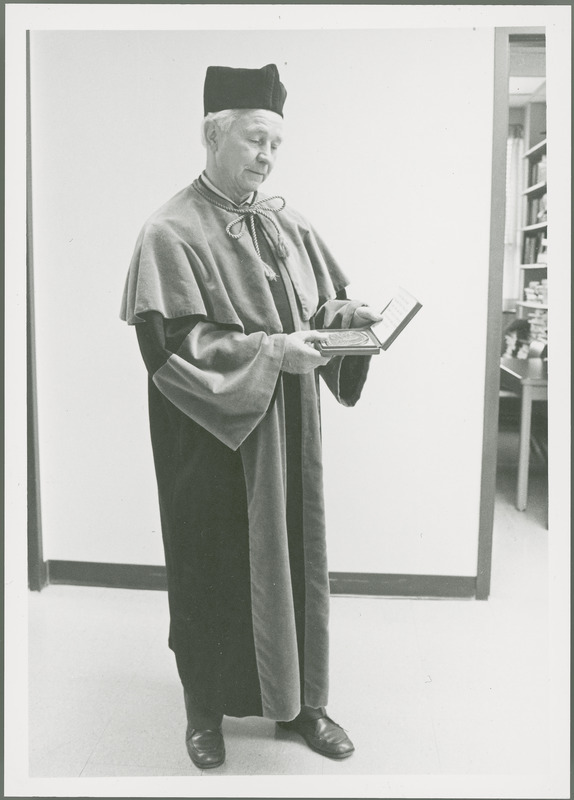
column 249, row 213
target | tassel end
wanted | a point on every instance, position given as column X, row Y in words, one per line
column 270, row 274
column 281, row 248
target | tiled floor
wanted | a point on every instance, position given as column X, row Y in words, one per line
column 423, row 686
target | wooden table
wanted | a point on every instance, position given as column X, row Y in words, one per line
column 528, row 377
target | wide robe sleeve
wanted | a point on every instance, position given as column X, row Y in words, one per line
column 345, row 376
column 223, row 379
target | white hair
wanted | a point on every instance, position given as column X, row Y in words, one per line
column 222, row 119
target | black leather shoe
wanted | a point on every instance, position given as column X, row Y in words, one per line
column 206, row 748
column 322, row 735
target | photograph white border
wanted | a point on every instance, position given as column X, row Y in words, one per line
column 22, row 17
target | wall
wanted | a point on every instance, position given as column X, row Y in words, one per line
column 388, row 151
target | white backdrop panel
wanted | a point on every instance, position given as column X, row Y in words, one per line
column 388, row 152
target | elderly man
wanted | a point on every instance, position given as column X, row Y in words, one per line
column 227, row 289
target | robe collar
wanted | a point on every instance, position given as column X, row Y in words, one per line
column 246, row 213
column 213, row 188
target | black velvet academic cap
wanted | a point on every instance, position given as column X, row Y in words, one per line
column 227, row 87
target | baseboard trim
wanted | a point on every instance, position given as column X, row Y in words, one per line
column 394, row 585
column 144, row 576
column 111, row 576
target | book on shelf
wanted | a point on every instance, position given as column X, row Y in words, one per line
column 529, row 250
column 534, row 247
column 537, row 171
column 538, row 322
column 537, row 210
column 542, row 255
column 397, row 314
column 534, row 206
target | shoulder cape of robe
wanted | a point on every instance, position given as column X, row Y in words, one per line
column 244, row 541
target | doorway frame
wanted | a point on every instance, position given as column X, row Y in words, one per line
column 37, row 566
column 502, row 38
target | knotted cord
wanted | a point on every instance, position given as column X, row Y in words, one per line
column 249, row 213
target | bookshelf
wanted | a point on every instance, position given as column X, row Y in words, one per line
column 533, row 270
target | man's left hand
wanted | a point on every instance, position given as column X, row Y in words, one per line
column 365, row 316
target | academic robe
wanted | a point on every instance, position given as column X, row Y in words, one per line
column 236, row 444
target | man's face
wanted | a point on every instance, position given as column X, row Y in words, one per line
column 246, row 154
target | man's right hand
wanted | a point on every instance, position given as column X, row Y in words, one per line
column 300, row 354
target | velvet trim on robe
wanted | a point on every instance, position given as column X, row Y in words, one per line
column 213, row 345
column 185, row 264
